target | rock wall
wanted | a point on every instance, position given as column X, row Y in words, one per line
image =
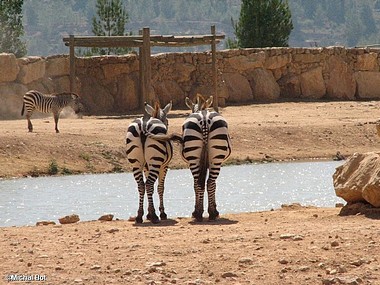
column 109, row 84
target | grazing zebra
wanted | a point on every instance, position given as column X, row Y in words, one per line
column 54, row 103
column 149, row 156
column 206, row 144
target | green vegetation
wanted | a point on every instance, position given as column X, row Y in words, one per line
column 110, row 20
column 53, row 167
column 263, row 23
column 11, row 29
column 316, row 22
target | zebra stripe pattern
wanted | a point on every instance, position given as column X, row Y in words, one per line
column 206, row 144
column 54, row 103
column 149, row 157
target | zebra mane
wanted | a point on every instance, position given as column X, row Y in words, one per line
column 66, row 94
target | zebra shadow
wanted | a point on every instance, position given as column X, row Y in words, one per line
column 218, row 221
column 162, row 223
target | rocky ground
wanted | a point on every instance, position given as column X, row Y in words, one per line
column 291, row 245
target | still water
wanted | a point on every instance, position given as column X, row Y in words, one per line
column 242, row 188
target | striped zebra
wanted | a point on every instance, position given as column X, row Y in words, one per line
column 205, row 145
column 149, row 157
column 54, row 103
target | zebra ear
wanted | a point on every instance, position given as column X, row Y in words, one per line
column 168, row 107
column 149, row 109
column 189, row 103
column 209, row 102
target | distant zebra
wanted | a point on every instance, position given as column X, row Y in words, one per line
column 206, row 144
column 149, row 156
column 54, row 103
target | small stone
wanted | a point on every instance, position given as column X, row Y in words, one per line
column 95, row 267
column 297, row 238
column 334, row 243
column 69, row 219
column 246, row 260
column 229, row 274
column 283, row 261
column 304, row 268
column 45, row 223
column 108, row 217
column 287, row 236
column 113, row 230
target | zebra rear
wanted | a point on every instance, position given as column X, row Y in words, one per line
column 44, row 103
column 150, row 157
column 206, row 144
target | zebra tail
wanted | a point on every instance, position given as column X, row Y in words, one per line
column 23, row 106
column 203, row 166
column 173, row 137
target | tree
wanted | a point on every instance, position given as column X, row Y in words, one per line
column 263, row 23
column 11, row 29
column 111, row 21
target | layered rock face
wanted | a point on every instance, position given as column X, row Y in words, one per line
column 358, row 180
column 110, row 84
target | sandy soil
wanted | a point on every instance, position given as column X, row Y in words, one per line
column 292, row 245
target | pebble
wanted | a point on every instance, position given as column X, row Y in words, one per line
column 95, row 267
column 69, row 219
column 229, row 274
column 246, row 260
column 108, row 217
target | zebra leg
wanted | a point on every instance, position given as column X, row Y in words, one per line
column 149, row 188
column 30, row 126
column 161, row 188
column 56, row 117
column 199, row 197
column 211, row 188
column 141, row 188
column 212, row 211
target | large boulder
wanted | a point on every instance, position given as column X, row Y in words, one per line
column 264, row 86
column 368, row 84
column 9, row 67
column 312, row 84
column 238, row 88
column 358, row 180
column 341, row 84
column 11, row 99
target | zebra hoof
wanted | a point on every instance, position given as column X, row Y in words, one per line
column 213, row 215
column 163, row 216
column 197, row 216
column 153, row 218
column 139, row 220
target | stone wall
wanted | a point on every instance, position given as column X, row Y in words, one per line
column 109, row 84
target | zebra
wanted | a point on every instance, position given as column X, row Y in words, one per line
column 52, row 103
column 149, row 157
column 205, row 145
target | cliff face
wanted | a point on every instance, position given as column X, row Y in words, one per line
column 110, row 84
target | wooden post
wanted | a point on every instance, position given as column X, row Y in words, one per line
column 72, row 64
column 141, row 78
column 214, row 70
column 146, row 67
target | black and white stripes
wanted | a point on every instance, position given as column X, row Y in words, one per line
column 34, row 100
column 150, row 157
column 206, row 144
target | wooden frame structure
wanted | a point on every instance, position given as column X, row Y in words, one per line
column 144, row 42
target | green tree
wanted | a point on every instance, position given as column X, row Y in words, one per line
column 110, row 21
column 263, row 23
column 11, row 29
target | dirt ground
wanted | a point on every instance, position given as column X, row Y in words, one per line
column 292, row 245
